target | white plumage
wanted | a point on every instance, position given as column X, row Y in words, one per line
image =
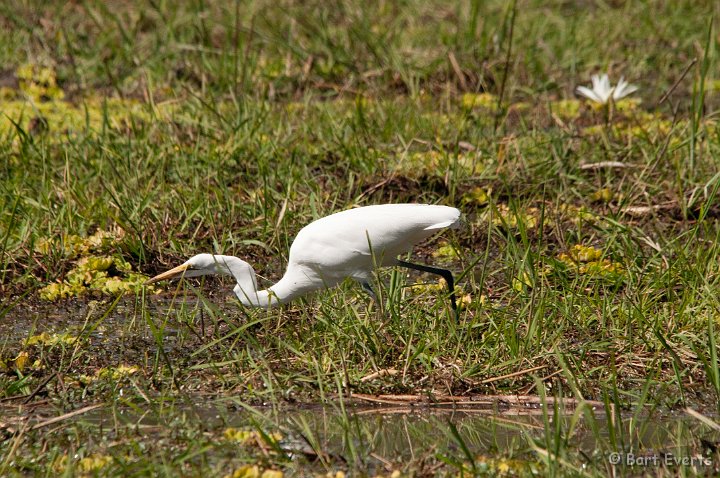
column 325, row 252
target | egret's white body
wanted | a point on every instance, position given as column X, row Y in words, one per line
column 325, row 252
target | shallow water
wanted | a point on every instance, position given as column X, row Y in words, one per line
column 366, row 436
column 373, row 438
column 398, row 433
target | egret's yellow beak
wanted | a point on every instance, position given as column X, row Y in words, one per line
column 171, row 274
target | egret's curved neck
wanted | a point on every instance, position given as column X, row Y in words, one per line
column 293, row 284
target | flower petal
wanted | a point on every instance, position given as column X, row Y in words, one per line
column 604, row 90
column 588, row 93
column 623, row 89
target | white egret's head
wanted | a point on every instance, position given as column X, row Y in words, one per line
column 199, row 265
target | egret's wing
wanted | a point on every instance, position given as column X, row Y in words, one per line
column 345, row 240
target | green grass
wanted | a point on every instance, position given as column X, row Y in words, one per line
column 181, row 128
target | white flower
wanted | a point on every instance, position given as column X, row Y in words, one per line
column 601, row 91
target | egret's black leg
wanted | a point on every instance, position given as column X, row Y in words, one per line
column 368, row 288
column 444, row 273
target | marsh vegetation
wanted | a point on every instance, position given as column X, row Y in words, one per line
column 137, row 134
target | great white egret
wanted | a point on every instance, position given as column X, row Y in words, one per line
column 325, row 252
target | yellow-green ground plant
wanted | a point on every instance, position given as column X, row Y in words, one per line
column 136, row 134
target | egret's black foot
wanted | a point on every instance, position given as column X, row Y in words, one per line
column 368, row 288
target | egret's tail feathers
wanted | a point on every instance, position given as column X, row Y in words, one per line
column 447, row 217
column 453, row 223
column 440, row 225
